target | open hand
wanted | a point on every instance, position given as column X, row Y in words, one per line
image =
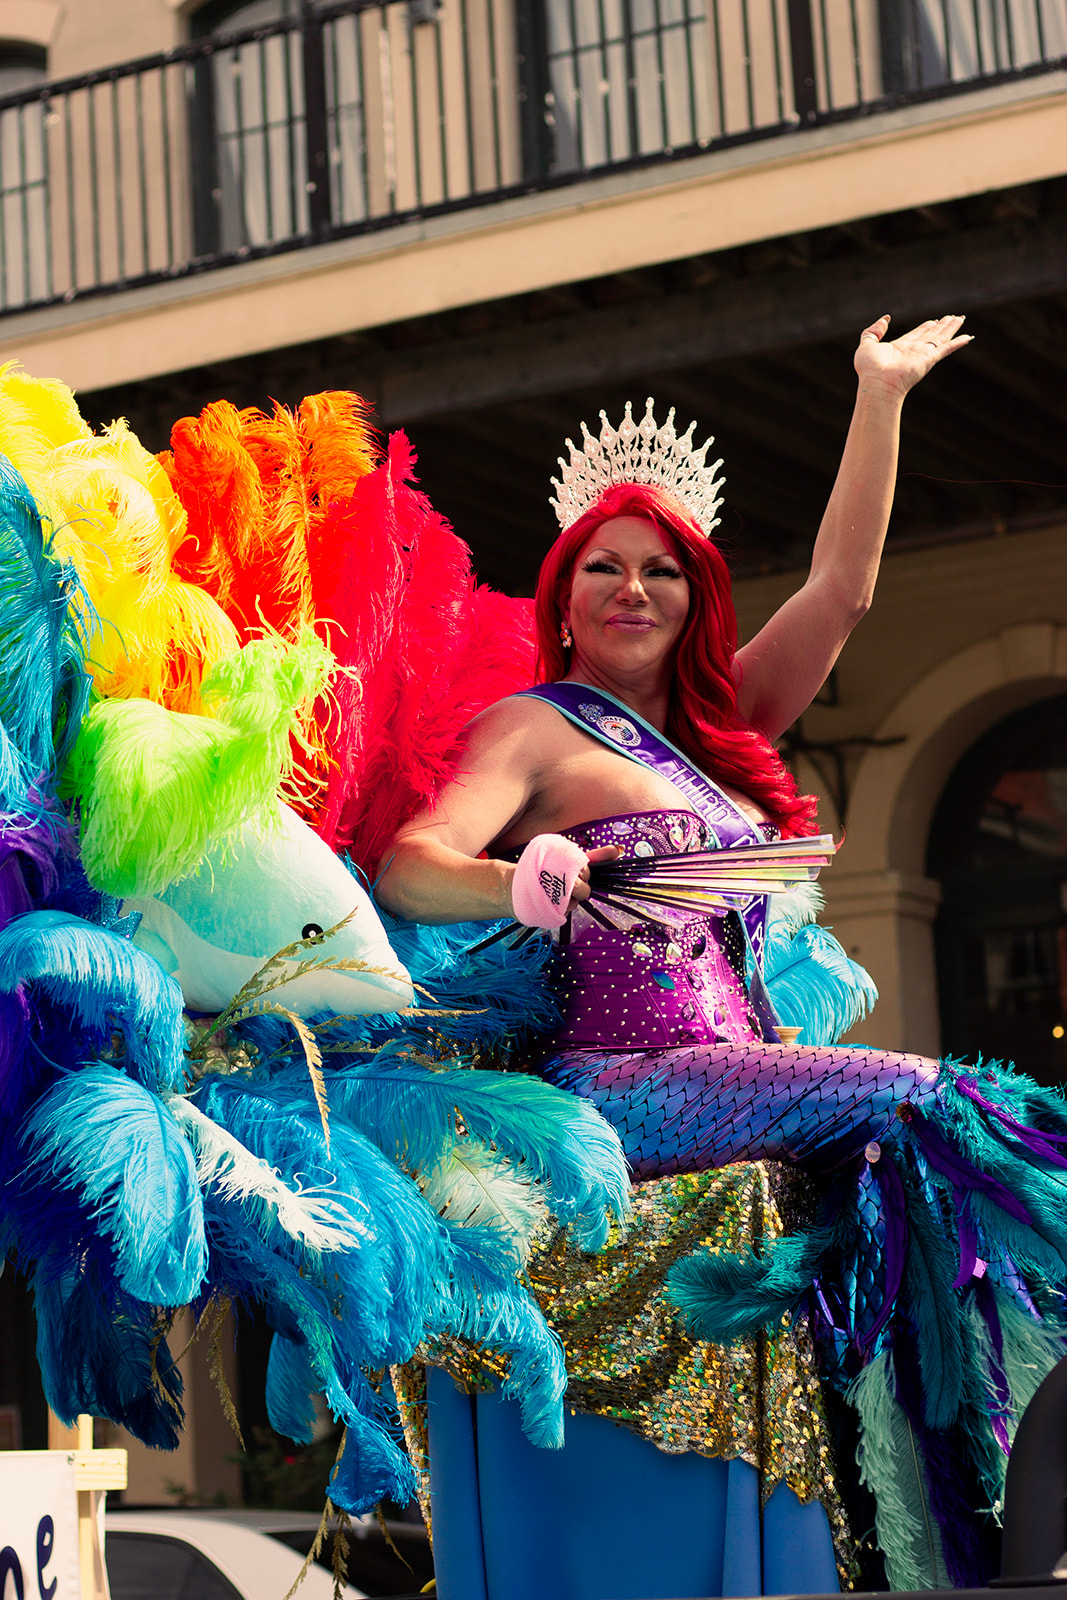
column 899, row 364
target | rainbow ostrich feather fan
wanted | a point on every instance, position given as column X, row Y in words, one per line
column 228, row 674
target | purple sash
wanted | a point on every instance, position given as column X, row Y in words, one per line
column 598, row 713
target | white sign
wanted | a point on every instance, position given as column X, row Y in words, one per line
column 38, row 1526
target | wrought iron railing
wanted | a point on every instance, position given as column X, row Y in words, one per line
column 357, row 115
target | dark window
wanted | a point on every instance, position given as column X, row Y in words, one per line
column 255, row 181
column 21, row 65
column 999, row 847
column 226, row 17
column 607, row 80
column 927, row 43
column 23, row 178
column 249, row 160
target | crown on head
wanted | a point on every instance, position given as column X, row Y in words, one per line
column 639, row 452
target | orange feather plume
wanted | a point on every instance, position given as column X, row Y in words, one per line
column 217, row 482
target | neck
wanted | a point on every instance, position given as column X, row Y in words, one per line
column 651, row 702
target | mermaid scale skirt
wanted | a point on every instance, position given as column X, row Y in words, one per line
column 930, row 1269
column 684, row 1110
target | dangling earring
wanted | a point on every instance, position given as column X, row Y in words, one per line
column 565, row 634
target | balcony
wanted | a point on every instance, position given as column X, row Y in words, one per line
column 359, row 117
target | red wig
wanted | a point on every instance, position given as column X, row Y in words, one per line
column 703, row 720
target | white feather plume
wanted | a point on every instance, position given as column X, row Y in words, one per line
column 472, row 1186
column 307, row 1215
column 795, row 910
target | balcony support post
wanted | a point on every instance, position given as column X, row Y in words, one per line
column 315, row 125
column 802, row 55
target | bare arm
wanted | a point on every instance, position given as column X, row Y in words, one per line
column 784, row 666
column 431, row 872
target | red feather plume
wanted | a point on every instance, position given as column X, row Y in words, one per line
column 292, row 521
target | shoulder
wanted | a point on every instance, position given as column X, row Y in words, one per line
column 513, row 718
column 511, row 740
column 519, row 738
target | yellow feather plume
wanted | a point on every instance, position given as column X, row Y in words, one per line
column 36, row 415
column 114, row 509
column 161, row 645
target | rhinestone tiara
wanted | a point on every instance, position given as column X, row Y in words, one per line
column 638, row 452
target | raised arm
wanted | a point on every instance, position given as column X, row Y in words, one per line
column 782, row 669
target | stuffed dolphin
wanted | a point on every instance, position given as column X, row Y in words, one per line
column 266, row 889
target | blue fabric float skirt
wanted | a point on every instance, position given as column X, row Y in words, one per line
column 608, row 1517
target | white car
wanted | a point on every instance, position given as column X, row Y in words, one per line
column 210, row 1555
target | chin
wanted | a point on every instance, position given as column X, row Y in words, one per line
column 635, row 658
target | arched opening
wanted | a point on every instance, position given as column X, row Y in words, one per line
column 23, row 64
column 998, row 845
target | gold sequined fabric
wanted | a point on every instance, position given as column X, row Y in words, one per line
column 409, row 1387
column 629, row 1357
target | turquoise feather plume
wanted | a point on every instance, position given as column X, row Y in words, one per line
column 812, row 983
column 18, row 795
column 1035, row 1256
column 411, row 1112
column 300, row 1310
column 290, row 1389
column 314, row 1219
column 725, row 1296
column 44, row 687
column 500, row 992
column 474, row 1186
column 255, row 1275
column 412, row 1273
column 382, row 1283
column 480, row 1300
column 105, row 983
column 102, row 1136
column 374, row 1464
column 311, row 1353
column 1038, row 1186
column 103, row 1352
column 929, row 1270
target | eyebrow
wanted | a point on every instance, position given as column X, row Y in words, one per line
column 606, row 550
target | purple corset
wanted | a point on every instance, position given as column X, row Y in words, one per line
column 641, row 986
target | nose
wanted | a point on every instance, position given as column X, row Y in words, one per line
column 631, row 590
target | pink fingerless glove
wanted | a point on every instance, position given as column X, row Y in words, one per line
column 544, row 878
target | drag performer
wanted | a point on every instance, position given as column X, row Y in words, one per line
column 927, row 1266
column 229, row 674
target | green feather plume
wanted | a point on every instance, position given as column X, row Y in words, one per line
column 723, row 1296
column 889, row 1464
column 155, row 787
column 1029, row 1351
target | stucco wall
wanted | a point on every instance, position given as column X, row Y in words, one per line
column 81, row 35
column 959, row 636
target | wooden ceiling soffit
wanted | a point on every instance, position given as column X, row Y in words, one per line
column 955, row 271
